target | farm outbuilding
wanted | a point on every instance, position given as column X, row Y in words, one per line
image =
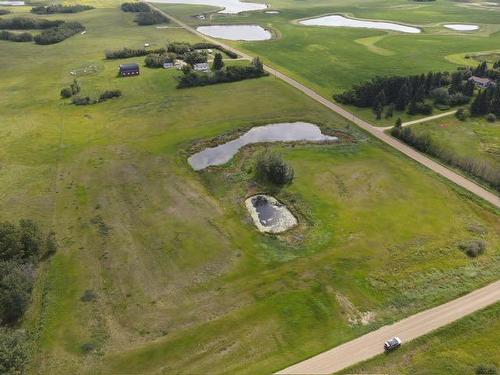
column 129, row 70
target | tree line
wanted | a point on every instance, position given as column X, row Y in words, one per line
column 473, row 166
column 60, row 8
column 53, row 31
column 145, row 15
column 126, row 53
column 22, row 247
column 224, row 75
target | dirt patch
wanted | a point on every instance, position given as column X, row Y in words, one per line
column 354, row 316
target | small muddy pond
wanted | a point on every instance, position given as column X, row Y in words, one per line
column 341, row 21
column 230, row 6
column 285, row 132
column 462, row 27
column 12, row 3
column 269, row 215
column 236, row 32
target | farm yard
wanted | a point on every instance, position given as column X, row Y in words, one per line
column 159, row 267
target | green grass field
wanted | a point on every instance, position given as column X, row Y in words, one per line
column 183, row 282
column 456, row 349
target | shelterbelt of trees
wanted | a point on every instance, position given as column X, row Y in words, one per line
column 414, row 93
column 53, row 31
column 145, row 15
column 59, row 8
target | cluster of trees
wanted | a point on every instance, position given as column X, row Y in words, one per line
column 22, row 247
column 73, row 89
column 483, row 70
column 487, row 102
column 156, row 60
column 3, row 12
column 271, row 168
column 475, row 167
column 230, row 54
column 59, row 8
column 417, row 94
column 59, row 33
column 125, row 53
column 135, row 7
column 15, row 37
column 145, row 14
column 86, row 100
column 224, row 75
column 25, row 23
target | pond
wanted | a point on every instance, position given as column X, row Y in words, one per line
column 12, row 3
column 230, row 6
column 462, row 27
column 269, row 215
column 284, row 132
column 341, row 21
column 236, row 32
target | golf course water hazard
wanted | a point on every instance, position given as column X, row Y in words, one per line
column 236, row 32
column 285, row 132
column 462, row 27
column 230, row 6
column 269, row 215
column 341, row 21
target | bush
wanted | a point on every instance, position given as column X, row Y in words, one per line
column 440, row 95
column 490, row 117
column 58, row 34
column 486, row 370
column 135, row 7
column 82, row 100
column 271, row 168
column 16, row 37
column 109, row 94
column 459, row 99
column 462, row 114
column 125, row 53
column 3, row 12
column 13, row 351
column 155, row 60
column 66, row 93
column 150, row 18
column 16, row 281
column 88, row 296
column 473, row 248
column 59, row 8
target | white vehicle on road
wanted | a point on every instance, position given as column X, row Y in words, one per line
column 392, row 344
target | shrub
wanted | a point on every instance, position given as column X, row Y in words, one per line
column 85, row 100
column 88, row 296
column 461, row 114
column 135, row 7
column 483, row 369
column 150, row 18
column 271, row 168
column 13, row 351
column 155, row 60
column 109, row 94
column 59, row 8
column 440, row 95
column 58, row 34
column 66, row 93
column 459, row 99
column 125, row 53
column 16, row 281
column 473, row 248
column 490, row 117
column 16, row 37
column 194, row 57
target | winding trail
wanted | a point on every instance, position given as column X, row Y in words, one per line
column 373, row 130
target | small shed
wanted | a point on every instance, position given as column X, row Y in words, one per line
column 129, row 70
column 482, row 82
column 201, row 67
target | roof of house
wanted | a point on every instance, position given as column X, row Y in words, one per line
column 131, row 66
column 481, row 80
column 201, row 66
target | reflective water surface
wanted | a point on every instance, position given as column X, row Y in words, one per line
column 341, row 21
column 236, row 32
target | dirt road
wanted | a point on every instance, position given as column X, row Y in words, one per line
column 424, row 119
column 371, row 344
column 376, row 132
